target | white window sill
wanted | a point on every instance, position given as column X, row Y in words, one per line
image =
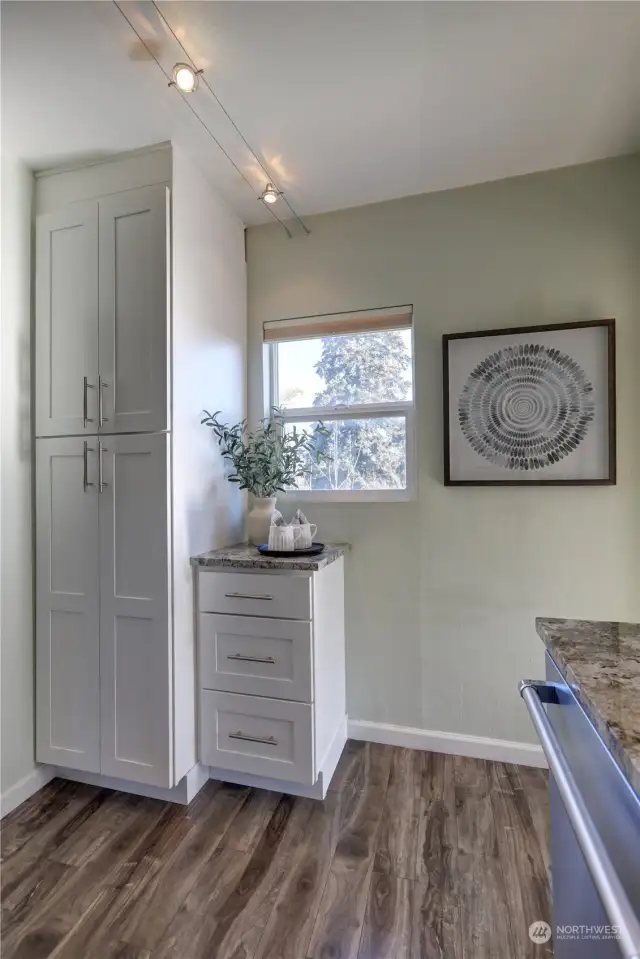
column 349, row 496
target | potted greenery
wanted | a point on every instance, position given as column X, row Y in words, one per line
column 266, row 461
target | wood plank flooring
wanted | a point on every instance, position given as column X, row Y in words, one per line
column 411, row 856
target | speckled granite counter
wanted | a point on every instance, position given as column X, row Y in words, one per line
column 248, row 557
column 601, row 663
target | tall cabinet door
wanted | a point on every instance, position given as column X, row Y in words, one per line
column 67, row 620
column 135, row 636
column 133, row 282
column 66, row 351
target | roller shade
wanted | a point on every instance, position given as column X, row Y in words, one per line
column 338, row 324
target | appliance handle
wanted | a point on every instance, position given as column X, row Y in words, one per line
column 616, row 904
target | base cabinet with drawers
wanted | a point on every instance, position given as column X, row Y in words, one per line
column 272, row 676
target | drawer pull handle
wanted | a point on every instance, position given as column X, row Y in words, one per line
column 265, row 740
column 246, row 596
column 252, row 659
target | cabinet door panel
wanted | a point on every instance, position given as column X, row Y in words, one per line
column 133, row 310
column 67, row 321
column 135, row 638
column 67, row 627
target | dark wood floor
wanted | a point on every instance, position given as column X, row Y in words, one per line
column 411, row 856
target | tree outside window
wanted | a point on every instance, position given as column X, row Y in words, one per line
column 367, row 449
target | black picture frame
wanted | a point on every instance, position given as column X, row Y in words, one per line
column 610, row 479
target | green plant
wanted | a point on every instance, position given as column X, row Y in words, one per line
column 271, row 458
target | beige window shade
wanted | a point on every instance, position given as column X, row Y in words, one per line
column 338, row 324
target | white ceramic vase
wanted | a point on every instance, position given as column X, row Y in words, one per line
column 259, row 519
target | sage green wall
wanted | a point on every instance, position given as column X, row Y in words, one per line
column 442, row 592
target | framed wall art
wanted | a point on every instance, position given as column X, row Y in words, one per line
column 530, row 406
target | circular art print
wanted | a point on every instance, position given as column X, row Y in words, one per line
column 526, row 407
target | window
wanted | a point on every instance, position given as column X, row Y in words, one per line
column 353, row 372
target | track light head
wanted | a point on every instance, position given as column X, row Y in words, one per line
column 269, row 194
column 185, row 78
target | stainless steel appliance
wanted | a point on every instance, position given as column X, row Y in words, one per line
column 595, row 829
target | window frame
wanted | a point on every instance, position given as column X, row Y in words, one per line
column 404, row 408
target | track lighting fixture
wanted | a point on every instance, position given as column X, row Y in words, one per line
column 269, row 194
column 185, row 78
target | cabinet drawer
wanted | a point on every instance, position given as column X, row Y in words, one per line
column 256, row 656
column 266, row 737
column 255, row 594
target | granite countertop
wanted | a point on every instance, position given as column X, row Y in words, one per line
column 244, row 556
column 601, row 663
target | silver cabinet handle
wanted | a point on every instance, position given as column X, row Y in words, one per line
column 252, row 659
column 85, row 467
column 102, row 419
column 247, row 596
column 101, row 483
column 612, row 894
column 86, row 385
column 266, row 740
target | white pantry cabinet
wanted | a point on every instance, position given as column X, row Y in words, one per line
column 103, row 656
column 140, row 291
column 101, row 308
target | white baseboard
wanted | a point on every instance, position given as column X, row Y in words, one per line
column 183, row 793
column 455, row 744
column 24, row 788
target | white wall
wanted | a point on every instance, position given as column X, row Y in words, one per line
column 209, row 372
column 442, row 592
column 16, row 626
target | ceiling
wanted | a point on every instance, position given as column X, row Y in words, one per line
column 345, row 103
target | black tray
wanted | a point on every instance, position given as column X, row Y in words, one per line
column 309, row 551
